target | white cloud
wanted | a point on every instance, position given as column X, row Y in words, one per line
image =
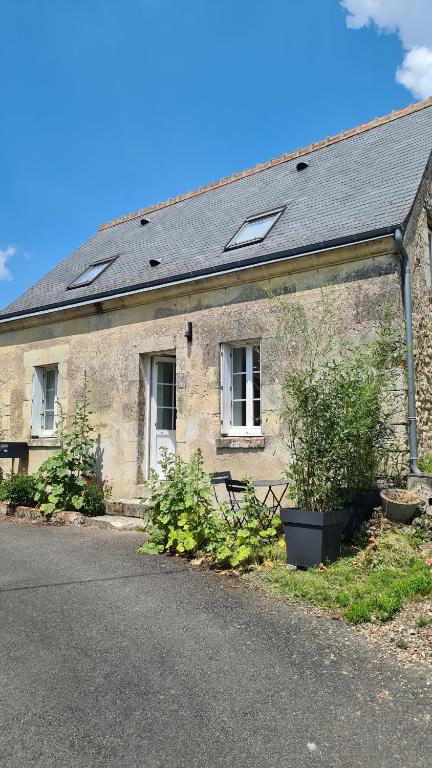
column 410, row 20
column 415, row 73
column 5, row 255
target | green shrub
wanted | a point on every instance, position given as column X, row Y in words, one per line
column 94, row 500
column 180, row 513
column 18, row 490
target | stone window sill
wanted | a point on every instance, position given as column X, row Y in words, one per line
column 241, row 442
column 44, row 442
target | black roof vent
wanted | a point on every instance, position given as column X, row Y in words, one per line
column 143, row 222
column 154, row 262
column 302, row 165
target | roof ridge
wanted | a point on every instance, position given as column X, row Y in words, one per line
column 362, row 128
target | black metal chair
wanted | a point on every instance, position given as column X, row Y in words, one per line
column 220, row 478
column 236, row 490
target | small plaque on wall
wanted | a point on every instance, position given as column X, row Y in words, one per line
column 181, row 381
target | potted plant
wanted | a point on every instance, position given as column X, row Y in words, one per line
column 313, row 528
column 400, row 505
column 338, row 433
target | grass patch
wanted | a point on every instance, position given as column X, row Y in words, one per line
column 423, row 622
column 377, row 580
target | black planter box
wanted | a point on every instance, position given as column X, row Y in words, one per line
column 312, row 537
column 359, row 507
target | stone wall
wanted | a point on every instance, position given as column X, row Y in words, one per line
column 114, row 348
column 421, row 269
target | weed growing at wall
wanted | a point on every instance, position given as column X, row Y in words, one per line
column 62, row 479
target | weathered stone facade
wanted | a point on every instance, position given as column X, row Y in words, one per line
column 421, row 269
column 113, row 343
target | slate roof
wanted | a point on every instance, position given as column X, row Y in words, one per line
column 358, row 184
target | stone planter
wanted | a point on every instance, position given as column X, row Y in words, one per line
column 399, row 505
column 312, row 538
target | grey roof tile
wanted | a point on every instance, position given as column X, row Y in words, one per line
column 363, row 183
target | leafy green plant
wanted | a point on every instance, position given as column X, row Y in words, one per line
column 18, row 490
column 179, row 512
column 181, row 517
column 61, row 480
column 94, row 500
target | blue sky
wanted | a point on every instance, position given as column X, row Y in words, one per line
column 110, row 105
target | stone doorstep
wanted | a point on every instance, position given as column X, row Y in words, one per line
column 124, row 507
column 116, row 522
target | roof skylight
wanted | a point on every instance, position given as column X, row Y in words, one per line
column 255, row 229
column 90, row 274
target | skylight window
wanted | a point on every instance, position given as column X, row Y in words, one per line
column 90, row 274
column 255, row 229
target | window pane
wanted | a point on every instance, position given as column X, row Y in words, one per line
column 49, row 420
column 165, row 393
column 50, row 400
column 257, row 413
column 256, row 385
column 90, row 274
column 239, row 360
column 239, row 413
column 50, row 395
column 256, row 358
column 165, row 418
column 239, row 386
column 255, row 229
column 165, row 372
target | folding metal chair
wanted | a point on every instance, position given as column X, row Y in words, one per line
column 219, row 478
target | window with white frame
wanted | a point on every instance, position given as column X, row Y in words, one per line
column 44, row 401
column 241, row 388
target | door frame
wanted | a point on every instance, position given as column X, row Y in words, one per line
column 152, row 404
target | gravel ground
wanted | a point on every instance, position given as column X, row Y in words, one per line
column 408, row 636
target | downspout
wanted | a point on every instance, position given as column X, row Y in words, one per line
column 407, row 305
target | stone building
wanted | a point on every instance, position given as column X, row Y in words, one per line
column 166, row 309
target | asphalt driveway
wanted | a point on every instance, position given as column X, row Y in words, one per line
column 110, row 658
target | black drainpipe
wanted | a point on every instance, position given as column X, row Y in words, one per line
column 407, row 304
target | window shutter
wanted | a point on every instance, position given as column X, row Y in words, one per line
column 226, row 377
column 56, row 401
column 37, row 402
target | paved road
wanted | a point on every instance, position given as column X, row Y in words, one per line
column 113, row 659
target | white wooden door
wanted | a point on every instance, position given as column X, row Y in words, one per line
column 163, row 409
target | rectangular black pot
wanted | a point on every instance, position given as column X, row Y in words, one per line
column 312, row 537
column 359, row 507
